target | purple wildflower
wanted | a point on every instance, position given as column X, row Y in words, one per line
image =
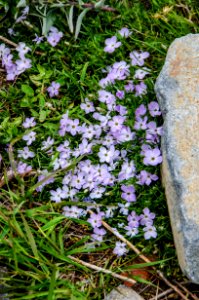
column 23, row 168
column 137, row 59
column 152, row 157
column 120, row 94
column 38, row 39
column 140, row 111
column 95, row 220
column 53, row 89
column 29, row 137
column 147, row 217
column 140, row 89
column 154, row 109
column 146, row 178
column 111, row 44
column 54, row 36
column 87, row 106
column 98, row 234
column 29, row 122
column 124, row 32
column 150, row 231
column 25, row 153
column 120, row 249
column 128, row 193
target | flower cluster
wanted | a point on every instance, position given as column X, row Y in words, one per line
column 15, row 68
column 102, row 144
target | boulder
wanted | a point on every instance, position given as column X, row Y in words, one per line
column 123, row 293
column 177, row 90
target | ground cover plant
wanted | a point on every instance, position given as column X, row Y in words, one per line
column 80, row 133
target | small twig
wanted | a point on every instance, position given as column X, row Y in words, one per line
column 99, row 269
column 7, row 41
column 144, row 258
column 186, row 290
column 169, row 291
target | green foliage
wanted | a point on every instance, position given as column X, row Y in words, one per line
column 35, row 239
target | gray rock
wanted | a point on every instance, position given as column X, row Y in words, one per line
column 123, row 293
column 177, row 89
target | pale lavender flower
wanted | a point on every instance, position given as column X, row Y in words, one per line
column 150, row 231
column 22, row 49
column 131, row 231
column 23, row 64
column 53, row 89
column 57, row 195
column 25, row 153
column 106, row 97
column 128, row 193
column 140, row 89
column 141, row 73
column 154, row 109
column 121, row 110
column 140, row 111
column 152, row 157
column 120, row 94
column 29, row 137
column 97, row 193
column 23, row 168
column 146, row 178
column 129, row 87
column 98, row 234
column 73, row 212
column 124, row 208
column 95, row 220
column 127, row 171
column 137, row 58
column 54, row 36
column 87, row 106
column 120, row 249
column 141, row 123
column 124, row 32
column 147, row 217
column 108, row 155
column 47, row 144
column 38, row 39
column 111, row 44
column 11, row 32
column 116, row 123
column 29, row 122
column 124, row 134
column 133, row 219
column 73, row 126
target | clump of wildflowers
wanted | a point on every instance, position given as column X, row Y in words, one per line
column 102, row 139
column 15, row 68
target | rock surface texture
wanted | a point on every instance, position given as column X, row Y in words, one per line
column 177, row 90
column 123, row 293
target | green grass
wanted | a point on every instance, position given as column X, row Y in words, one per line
column 35, row 239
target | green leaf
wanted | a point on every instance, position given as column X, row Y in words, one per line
column 79, row 21
column 30, row 238
column 53, row 223
column 27, row 90
column 99, row 3
column 83, row 73
column 42, row 101
column 52, row 285
column 42, row 115
column 70, row 19
column 25, row 102
column 21, row 3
